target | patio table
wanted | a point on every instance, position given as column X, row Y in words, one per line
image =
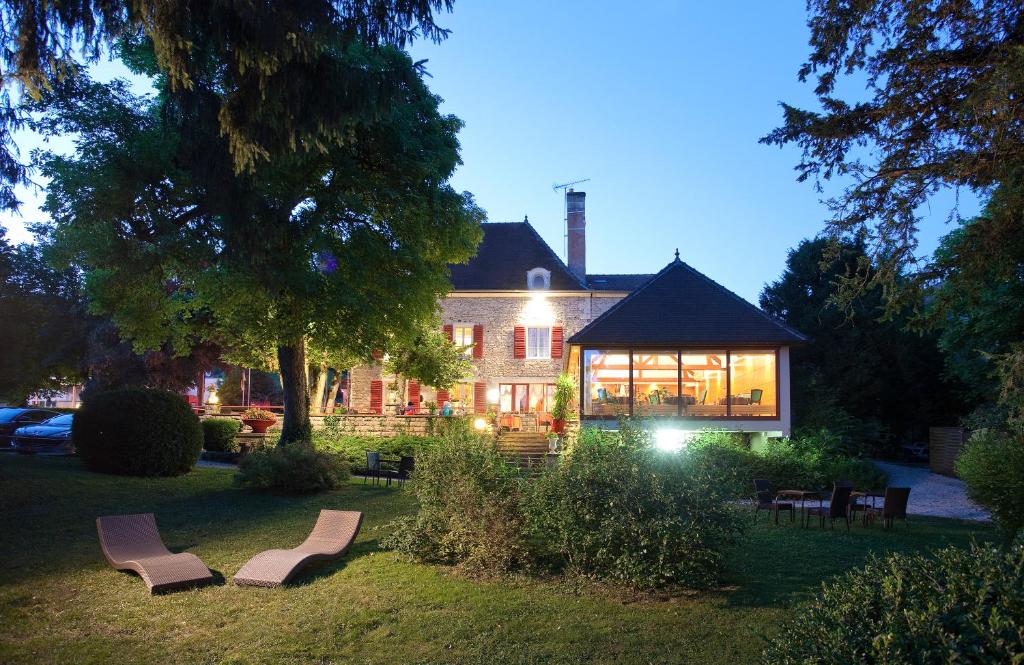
column 866, row 496
column 803, row 496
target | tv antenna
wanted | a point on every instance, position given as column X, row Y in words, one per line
column 565, row 211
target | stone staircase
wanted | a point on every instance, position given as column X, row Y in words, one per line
column 527, row 448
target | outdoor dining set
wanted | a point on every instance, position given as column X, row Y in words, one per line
column 388, row 467
column 844, row 503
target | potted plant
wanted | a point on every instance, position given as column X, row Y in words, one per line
column 565, row 397
column 259, row 420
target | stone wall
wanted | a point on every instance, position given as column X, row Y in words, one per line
column 499, row 314
column 369, row 425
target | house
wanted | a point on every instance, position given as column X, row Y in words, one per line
column 674, row 346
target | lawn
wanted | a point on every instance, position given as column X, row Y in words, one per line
column 61, row 603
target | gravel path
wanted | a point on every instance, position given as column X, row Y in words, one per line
column 932, row 494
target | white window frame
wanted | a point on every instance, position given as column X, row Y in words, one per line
column 545, row 276
column 463, row 340
column 538, row 342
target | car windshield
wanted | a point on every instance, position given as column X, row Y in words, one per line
column 7, row 415
column 60, row 421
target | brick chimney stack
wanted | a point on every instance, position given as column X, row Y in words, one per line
column 576, row 230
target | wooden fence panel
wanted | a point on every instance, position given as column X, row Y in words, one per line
column 944, row 445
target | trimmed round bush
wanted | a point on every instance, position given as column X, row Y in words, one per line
column 137, row 432
column 992, row 465
column 955, row 606
column 219, row 435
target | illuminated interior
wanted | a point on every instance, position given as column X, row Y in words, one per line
column 525, row 397
column 687, row 383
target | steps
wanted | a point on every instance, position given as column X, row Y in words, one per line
column 529, row 447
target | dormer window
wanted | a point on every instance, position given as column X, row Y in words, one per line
column 538, row 278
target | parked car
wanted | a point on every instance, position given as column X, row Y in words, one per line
column 50, row 437
column 12, row 418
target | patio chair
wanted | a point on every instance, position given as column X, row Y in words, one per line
column 766, row 501
column 406, row 465
column 372, row 466
column 894, row 506
column 132, row 542
column 838, row 507
column 333, row 534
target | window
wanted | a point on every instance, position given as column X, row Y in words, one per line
column 538, row 343
column 462, row 336
column 752, row 383
column 605, row 383
column 461, row 395
column 655, row 383
column 538, row 278
column 525, row 397
column 693, row 383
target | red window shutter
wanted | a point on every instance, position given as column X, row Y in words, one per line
column 557, row 341
column 377, row 355
column 519, row 343
column 479, row 398
column 414, row 393
column 449, row 331
column 442, row 397
column 376, row 396
column 478, row 341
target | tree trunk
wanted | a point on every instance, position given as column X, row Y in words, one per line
column 292, row 362
column 333, row 394
column 316, row 400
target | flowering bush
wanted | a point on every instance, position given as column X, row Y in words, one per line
column 258, row 414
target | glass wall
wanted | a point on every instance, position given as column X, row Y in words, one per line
column 655, row 383
column 605, row 389
column 690, row 383
column 705, row 384
column 752, row 381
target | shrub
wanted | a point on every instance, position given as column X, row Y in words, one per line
column 992, row 465
column 353, row 447
column 137, row 432
column 785, row 462
column 620, row 510
column 470, row 509
column 956, row 606
column 219, row 435
column 296, row 468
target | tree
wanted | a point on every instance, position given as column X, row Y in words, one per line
column 43, row 324
column 430, row 358
column 944, row 79
column 978, row 308
column 864, row 378
column 343, row 242
column 271, row 52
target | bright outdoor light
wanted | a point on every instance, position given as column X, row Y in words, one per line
column 212, row 399
column 537, row 311
column 492, row 396
column 671, row 440
column 480, row 424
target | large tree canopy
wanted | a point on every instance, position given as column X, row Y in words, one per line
column 270, row 56
column 346, row 243
column 869, row 380
column 944, row 81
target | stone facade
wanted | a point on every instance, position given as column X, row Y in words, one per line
column 499, row 313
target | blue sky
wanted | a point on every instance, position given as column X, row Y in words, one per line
column 660, row 104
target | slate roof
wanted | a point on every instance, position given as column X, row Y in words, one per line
column 617, row 282
column 680, row 306
column 507, row 252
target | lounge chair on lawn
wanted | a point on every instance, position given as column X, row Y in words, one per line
column 132, row 542
column 333, row 534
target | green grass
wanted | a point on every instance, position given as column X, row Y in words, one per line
column 61, row 603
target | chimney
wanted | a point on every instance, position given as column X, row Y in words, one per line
column 576, row 232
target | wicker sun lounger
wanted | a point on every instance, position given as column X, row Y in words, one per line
column 333, row 534
column 132, row 542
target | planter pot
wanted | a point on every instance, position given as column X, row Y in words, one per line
column 259, row 426
column 553, row 444
column 558, row 425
